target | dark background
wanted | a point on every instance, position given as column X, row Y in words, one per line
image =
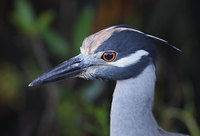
column 36, row 35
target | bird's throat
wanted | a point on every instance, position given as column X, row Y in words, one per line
column 131, row 112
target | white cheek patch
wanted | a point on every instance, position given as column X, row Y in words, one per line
column 129, row 60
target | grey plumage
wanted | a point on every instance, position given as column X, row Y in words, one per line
column 133, row 67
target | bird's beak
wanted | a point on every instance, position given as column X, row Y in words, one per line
column 70, row 68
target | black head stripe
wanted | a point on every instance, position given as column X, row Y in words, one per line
column 126, row 42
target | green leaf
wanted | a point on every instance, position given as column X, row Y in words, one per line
column 55, row 43
column 44, row 20
column 82, row 27
column 24, row 18
column 10, row 83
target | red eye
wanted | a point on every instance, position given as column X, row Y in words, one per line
column 109, row 56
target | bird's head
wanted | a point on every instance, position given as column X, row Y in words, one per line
column 115, row 53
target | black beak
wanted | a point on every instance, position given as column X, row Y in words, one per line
column 70, row 68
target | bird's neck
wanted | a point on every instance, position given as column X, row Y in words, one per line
column 131, row 112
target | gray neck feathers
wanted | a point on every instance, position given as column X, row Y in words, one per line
column 131, row 112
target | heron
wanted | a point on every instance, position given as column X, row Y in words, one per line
column 126, row 55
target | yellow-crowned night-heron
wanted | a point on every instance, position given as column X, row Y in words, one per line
column 126, row 55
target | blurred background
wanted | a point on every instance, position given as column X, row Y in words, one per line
column 36, row 35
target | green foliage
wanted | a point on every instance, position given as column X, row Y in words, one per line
column 70, row 116
column 100, row 126
column 82, row 27
column 78, row 117
column 56, row 44
column 38, row 27
column 186, row 115
column 24, row 17
column 44, row 20
column 10, row 84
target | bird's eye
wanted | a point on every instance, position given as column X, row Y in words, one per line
column 109, row 56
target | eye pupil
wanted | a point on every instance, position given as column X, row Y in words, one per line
column 108, row 56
